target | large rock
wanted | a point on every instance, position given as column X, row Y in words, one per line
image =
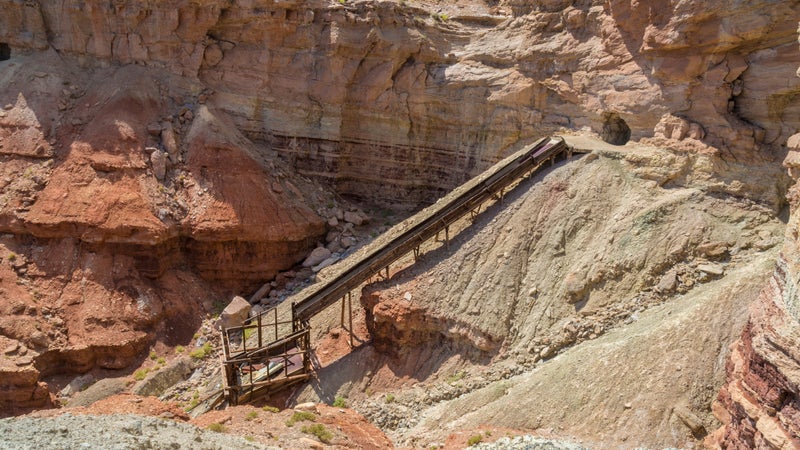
column 317, row 256
column 237, row 311
column 159, row 381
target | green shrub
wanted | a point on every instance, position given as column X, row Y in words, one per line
column 249, row 438
column 474, row 439
column 251, row 416
column 389, row 398
column 140, row 374
column 218, row 427
column 339, row 402
column 202, row 352
column 457, row 376
column 153, row 355
column 300, row 416
column 180, row 349
column 161, row 360
column 271, row 409
column 319, row 431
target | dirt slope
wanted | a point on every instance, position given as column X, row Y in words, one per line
column 591, row 246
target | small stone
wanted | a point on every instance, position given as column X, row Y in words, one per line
column 154, row 129
column 309, row 407
column 690, row 420
column 407, row 296
column 353, row 217
column 305, row 442
column 333, row 221
column 348, row 242
column 711, row 269
column 628, row 405
column 668, row 282
column 11, row 348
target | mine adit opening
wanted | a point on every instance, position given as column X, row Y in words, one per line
column 5, row 51
column 615, row 130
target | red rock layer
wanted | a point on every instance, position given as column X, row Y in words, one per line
column 759, row 405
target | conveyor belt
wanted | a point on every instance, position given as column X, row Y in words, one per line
column 409, row 234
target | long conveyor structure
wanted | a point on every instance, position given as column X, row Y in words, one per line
column 281, row 355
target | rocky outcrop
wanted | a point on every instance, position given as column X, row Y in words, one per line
column 759, row 405
column 106, row 248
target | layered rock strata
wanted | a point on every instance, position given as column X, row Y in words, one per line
column 369, row 94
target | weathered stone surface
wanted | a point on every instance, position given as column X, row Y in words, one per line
column 159, row 381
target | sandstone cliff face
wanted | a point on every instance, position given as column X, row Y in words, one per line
column 759, row 405
column 122, row 213
column 368, row 92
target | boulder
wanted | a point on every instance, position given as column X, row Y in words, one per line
column 159, row 161
column 262, row 292
column 353, row 217
column 77, row 384
column 102, row 389
column 157, row 382
column 316, row 256
column 237, row 311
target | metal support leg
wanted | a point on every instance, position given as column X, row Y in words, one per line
column 447, row 236
column 350, row 309
column 341, row 321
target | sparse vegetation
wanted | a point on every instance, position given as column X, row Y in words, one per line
column 389, row 398
column 140, row 374
column 12, row 256
column 249, row 438
column 161, row 360
column 319, row 431
column 201, row 352
column 249, row 332
column 251, row 416
column 153, row 355
column 339, row 402
column 458, row 376
column 217, row 427
column 474, row 439
column 180, row 349
column 271, row 409
column 300, row 416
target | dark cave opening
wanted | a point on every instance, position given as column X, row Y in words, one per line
column 5, row 51
column 615, row 130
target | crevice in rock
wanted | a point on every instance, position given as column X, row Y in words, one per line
column 615, row 130
column 5, row 52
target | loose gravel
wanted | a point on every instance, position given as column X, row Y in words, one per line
column 113, row 432
column 527, row 443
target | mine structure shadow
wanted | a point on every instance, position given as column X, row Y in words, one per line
column 281, row 353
